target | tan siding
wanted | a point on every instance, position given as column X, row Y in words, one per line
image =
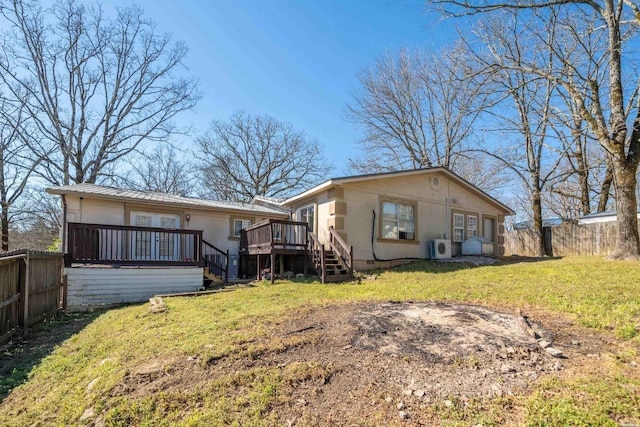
column 433, row 206
column 92, row 211
column 216, row 226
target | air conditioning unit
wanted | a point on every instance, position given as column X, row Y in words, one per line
column 439, row 248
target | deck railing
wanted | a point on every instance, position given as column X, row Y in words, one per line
column 130, row 245
column 216, row 260
column 275, row 234
column 344, row 251
column 318, row 256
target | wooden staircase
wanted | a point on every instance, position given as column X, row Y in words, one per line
column 215, row 263
column 335, row 269
column 334, row 264
column 211, row 278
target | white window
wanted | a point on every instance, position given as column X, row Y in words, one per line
column 155, row 245
column 398, row 221
column 168, row 241
column 458, row 227
column 276, row 229
column 472, row 226
column 240, row 224
column 307, row 214
column 142, row 243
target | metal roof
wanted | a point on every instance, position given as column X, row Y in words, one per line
column 601, row 214
column 267, row 199
column 546, row 222
column 153, row 197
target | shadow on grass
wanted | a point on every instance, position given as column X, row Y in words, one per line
column 426, row 266
column 19, row 358
column 445, row 266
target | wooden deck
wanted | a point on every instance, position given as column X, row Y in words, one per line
column 273, row 238
column 279, row 238
column 129, row 245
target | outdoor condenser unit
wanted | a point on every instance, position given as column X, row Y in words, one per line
column 439, row 248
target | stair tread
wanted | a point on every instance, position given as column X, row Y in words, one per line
column 214, row 278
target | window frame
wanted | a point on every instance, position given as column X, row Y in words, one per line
column 466, row 229
column 454, row 228
column 312, row 224
column 469, row 229
column 398, row 202
column 233, row 226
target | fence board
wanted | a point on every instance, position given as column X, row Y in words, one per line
column 23, row 304
column 9, row 297
column 566, row 239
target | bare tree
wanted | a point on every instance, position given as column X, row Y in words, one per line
column 163, row 169
column 523, row 108
column 16, row 162
column 618, row 131
column 97, row 86
column 416, row 110
column 251, row 155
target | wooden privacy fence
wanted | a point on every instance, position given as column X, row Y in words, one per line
column 565, row 239
column 31, row 289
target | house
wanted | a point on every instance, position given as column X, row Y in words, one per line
column 546, row 222
column 125, row 245
column 390, row 217
column 596, row 217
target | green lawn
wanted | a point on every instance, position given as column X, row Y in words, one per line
column 83, row 372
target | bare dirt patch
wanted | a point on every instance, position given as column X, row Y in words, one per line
column 383, row 363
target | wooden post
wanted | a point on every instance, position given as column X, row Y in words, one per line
column 304, row 272
column 273, row 267
column 351, row 260
column 65, row 289
column 25, row 299
column 282, row 265
column 322, row 266
column 226, row 272
column 259, row 273
column 197, row 248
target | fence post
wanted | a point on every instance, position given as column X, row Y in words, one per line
column 65, row 289
column 25, row 296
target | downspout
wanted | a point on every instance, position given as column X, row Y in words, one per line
column 64, row 225
column 373, row 233
column 373, row 238
column 447, row 208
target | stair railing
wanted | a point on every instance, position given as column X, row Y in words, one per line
column 344, row 251
column 318, row 255
column 216, row 260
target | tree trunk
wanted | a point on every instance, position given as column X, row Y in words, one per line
column 628, row 244
column 605, row 190
column 583, row 172
column 4, row 219
column 536, row 205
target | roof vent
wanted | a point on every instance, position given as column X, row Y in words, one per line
column 435, row 182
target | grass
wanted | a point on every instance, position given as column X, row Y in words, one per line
column 81, row 374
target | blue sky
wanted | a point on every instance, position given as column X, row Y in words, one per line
column 294, row 60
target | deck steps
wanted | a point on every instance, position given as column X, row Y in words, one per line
column 212, row 278
column 335, row 270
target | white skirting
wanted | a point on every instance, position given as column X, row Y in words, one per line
column 90, row 287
